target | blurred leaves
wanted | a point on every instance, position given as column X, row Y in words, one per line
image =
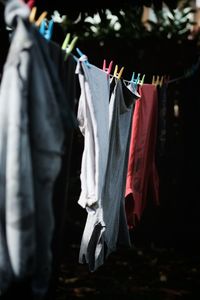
column 173, row 23
column 127, row 23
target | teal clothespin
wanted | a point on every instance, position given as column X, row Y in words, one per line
column 80, row 53
column 138, row 78
column 133, row 77
column 46, row 28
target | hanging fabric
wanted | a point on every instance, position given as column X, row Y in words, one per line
column 142, row 172
column 104, row 114
column 34, row 114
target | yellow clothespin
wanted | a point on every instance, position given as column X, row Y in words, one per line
column 153, row 79
column 69, row 47
column 157, row 80
column 33, row 15
column 161, row 81
column 115, row 71
column 118, row 75
column 142, row 80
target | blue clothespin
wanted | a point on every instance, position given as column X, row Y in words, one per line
column 46, row 28
column 133, row 77
column 138, row 78
column 80, row 53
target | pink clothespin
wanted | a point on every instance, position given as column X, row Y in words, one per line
column 107, row 70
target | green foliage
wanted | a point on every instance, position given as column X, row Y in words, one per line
column 174, row 24
column 126, row 23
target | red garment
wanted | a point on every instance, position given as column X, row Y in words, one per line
column 142, row 174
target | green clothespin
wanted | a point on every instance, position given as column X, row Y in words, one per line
column 69, row 47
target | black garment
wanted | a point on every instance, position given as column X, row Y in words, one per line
column 68, row 78
column 162, row 120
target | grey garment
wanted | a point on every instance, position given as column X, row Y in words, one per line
column 47, row 139
column 93, row 117
column 106, row 227
column 31, row 145
column 17, row 205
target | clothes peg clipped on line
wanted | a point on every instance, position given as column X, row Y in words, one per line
column 133, row 77
column 161, row 81
column 69, row 47
column 46, row 28
column 118, row 75
column 142, row 80
column 107, row 70
column 138, row 78
column 115, row 71
column 83, row 57
column 32, row 16
column 135, row 80
column 155, row 80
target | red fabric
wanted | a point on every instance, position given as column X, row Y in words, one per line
column 142, row 174
column 30, row 3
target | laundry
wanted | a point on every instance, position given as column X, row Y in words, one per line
column 31, row 97
column 142, row 172
column 48, row 94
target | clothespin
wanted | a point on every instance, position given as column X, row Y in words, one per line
column 138, row 78
column 153, row 80
column 157, row 80
column 115, row 71
column 69, row 47
column 108, row 70
column 142, row 80
column 33, row 15
column 133, row 77
column 81, row 54
column 161, row 81
column 46, row 28
column 118, row 75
